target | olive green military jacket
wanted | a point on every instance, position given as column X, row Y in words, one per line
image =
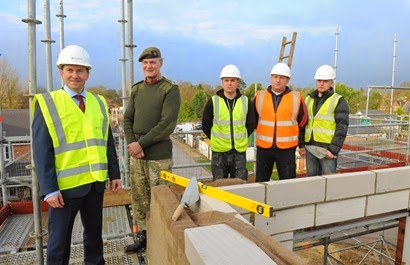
column 151, row 116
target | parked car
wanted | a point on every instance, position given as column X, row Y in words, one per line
column 198, row 125
column 186, row 127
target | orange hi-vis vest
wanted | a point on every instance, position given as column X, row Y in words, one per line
column 281, row 123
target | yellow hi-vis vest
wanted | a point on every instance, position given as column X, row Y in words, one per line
column 323, row 124
column 79, row 139
column 221, row 134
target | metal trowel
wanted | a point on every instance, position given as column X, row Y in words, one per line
column 190, row 196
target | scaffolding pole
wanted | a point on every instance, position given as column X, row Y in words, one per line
column 61, row 16
column 393, row 72
column 31, row 21
column 408, row 144
column 48, row 41
column 336, row 53
column 123, row 61
column 130, row 45
column 2, row 171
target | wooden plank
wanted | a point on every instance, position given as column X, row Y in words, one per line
column 121, row 197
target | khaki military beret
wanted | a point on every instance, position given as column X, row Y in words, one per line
column 150, row 53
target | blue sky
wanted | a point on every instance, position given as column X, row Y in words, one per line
column 198, row 38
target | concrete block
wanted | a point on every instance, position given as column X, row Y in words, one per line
column 286, row 220
column 208, row 203
column 348, row 185
column 292, row 192
column 387, row 202
column 338, row 211
column 253, row 191
column 391, row 179
column 205, row 245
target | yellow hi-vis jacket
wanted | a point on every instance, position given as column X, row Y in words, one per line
column 221, row 134
column 79, row 139
column 323, row 124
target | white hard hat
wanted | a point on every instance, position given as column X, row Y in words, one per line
column 230, row 70
column 325, row 72
column 280, row 69
column 74, row 54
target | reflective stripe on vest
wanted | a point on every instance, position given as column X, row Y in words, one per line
column 323, row 124
column 63, row 145
column 224, row 128
column 284, row 120
column 79, row 139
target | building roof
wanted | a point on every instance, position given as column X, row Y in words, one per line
column 16, row 122
column 373, row 112
column 357, row 121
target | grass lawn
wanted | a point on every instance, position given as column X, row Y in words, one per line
column 249, row 166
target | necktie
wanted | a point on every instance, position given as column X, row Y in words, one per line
column 81, row 105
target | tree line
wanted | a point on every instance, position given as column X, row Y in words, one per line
column 13, row 95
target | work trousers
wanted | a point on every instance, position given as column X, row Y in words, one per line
column 60, row 227
column 285, row 160
column 318, row 167
column 229, row 164
column 145, row 174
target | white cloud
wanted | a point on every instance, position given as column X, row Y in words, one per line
column 83, row 15
column 223, row 24
column 227, row 34
column 11, row 19
column 214, row 23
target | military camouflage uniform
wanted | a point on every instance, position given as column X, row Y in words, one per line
column 149, row 119
column 144, row 175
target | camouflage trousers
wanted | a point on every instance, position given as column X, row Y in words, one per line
column 144, row 174
column 229, row 164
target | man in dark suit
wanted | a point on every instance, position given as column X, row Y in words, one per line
column 74, row 153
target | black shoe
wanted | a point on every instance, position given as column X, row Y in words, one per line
column 140, row 242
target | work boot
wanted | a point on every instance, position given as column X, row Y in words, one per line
column 140, row 242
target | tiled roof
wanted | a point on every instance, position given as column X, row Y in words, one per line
column 16, row 122
column 361, row 130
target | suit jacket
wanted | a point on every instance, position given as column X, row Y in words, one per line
column 43, row 154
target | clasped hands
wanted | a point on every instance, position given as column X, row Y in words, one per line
column 135, row 150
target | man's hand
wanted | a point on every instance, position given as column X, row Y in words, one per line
column 115, row 185
column 139, row 155
column 302, row 152
column 134, row 149
column 56, row 201
column 329, row 155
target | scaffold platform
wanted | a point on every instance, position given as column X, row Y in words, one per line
column 17, row 247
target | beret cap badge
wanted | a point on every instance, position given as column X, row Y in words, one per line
column 150, row 53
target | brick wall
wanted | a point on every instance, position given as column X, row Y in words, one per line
column 323, row 200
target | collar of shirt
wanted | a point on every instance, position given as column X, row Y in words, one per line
column 72, row 93
column 153, row 81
